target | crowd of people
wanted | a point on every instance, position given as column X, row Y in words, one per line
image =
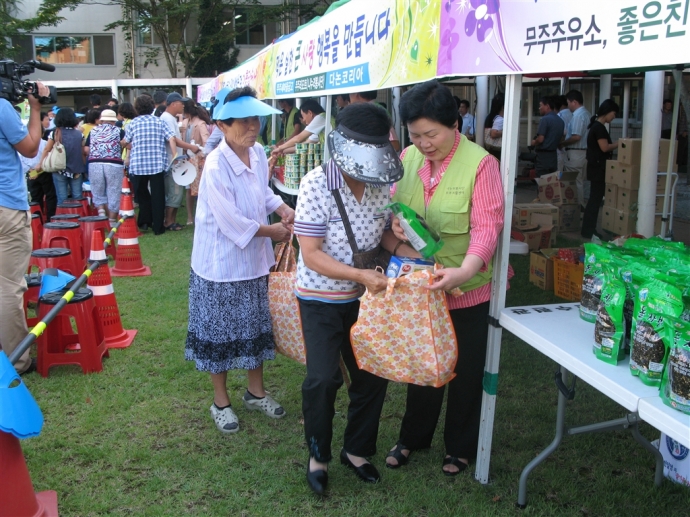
column 99, row 148
column 444, row 175
column 229, row 323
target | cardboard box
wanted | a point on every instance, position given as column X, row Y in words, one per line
column 630, row 152
column 608, row 218
column 522, row 214
column 657, row 225
column 399, row 266
column 611, row 195
column 535, row 239
column 558, row 188
column 569, row 218
column 621, row 175
column 545, row 221
column 664, row 148
column 660, row 203
column 541, row 268
column 627, row 200
column 625, row 222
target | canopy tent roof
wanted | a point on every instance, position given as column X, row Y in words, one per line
column 374, row 44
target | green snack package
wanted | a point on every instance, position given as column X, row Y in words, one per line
column 656, row 301
column 651, row 246
column 609, row 328
column 675, row 383
column 596, row 257
column 637, row 270
column 422, row 237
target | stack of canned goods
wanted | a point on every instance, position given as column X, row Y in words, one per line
column 306, row 158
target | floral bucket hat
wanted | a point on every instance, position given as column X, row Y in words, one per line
column 366, row 158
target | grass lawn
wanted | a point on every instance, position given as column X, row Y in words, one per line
column 138, row 439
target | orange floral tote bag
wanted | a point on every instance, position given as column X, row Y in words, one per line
column 406, row 334
column 282, row 303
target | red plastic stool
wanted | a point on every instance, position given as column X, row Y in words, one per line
column 33, row 282
column 71, row 207
column 36, row 230
column 65, row 218
column 96, row 222
column 66, row 235
column 35, row 208
column 53, row 344
column 86, row 193
column 59, row 258
column 85, row 204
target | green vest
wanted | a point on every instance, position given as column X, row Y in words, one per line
column 290, row 124
column 451, row 205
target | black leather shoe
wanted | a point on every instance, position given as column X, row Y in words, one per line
column 317, row 480
column 366, row 472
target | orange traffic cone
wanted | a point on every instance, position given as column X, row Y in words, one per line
column 101, row 285
column 125, row 186
column 128, row 261
column 17, row 497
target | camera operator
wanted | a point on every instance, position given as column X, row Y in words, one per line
column 15, row 222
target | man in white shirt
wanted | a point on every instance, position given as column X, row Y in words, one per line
column 174, row 192
column 467, row 119
column 575, row 143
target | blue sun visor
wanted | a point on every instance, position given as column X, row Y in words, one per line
column 244, row 107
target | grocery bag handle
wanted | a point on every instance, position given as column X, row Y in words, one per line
column 290, row 252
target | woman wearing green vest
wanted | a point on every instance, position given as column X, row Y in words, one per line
column 291, row 118
column 314, row 116
column 456, row 186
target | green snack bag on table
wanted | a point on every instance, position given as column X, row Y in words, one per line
column 609, row 328
column 422, row 237
column 635, row 272
column 675, row 383
column 655, row 302
column 596, row 257
column 651, row 246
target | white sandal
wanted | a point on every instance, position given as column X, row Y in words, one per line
column 267, row 405
column 226, row 420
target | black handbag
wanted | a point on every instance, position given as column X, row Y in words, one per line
column 377, row 257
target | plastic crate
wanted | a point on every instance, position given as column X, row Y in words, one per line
column 567, row 279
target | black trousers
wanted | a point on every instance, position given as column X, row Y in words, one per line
column 463, row 411
column 589, row 218
column 546, row 162
column 43, row 186
column 326, row 329
column 151, row 204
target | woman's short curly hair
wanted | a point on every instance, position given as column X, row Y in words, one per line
column 144, row 105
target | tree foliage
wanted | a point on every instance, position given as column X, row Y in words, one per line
column 13, row 25
column 195, row 37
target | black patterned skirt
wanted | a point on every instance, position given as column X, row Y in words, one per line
column 229, row 324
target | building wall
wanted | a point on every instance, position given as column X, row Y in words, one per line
column 84, row 20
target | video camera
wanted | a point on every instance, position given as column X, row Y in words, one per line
column 15, row 89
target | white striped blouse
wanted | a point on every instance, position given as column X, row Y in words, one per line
column 233, row 201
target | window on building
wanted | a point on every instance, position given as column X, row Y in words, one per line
column 75, row 50
column 250, row 31
column 177, row 32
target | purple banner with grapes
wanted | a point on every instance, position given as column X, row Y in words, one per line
column 489, row 37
